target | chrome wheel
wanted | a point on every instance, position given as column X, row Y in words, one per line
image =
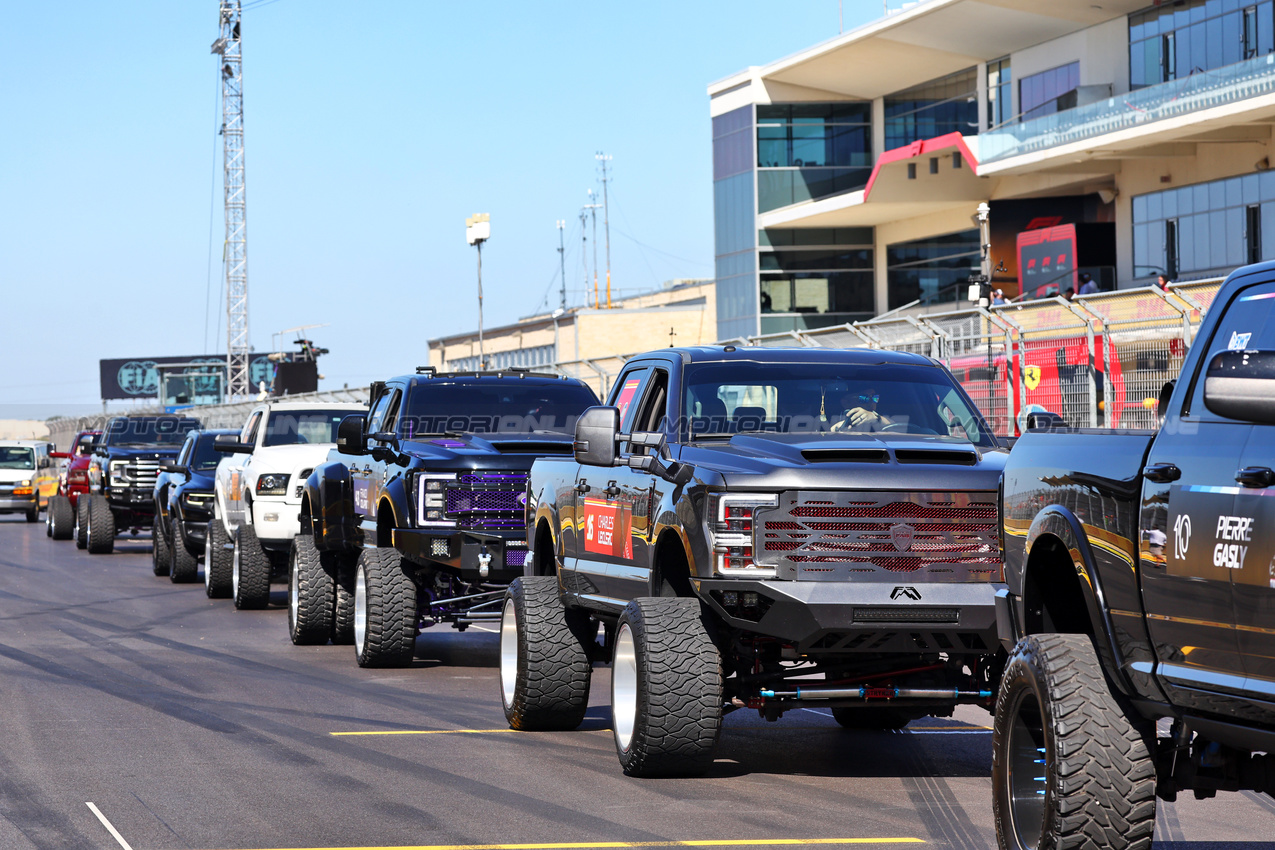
column 508, row 652
column 624, row 688
column 360, row 610
column 234, row 569
column 1025, row 774
column 294, row 589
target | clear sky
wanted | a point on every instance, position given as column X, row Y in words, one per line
column 372, row 130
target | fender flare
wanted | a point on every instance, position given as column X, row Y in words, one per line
column 394, row 494
column 331, row 520
column 1059, row 522
column 546, row 514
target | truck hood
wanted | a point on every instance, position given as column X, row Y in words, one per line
column 867, row 461
column 140, row 452
column 517, row 451
column 8, row 476
column 290, row 457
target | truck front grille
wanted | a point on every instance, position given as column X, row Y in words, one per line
column 488, row 501
column 822, row 536
column 140, row 474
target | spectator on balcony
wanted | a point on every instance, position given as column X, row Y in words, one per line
column 998, row 297
column 1087, row 285
column 1162, row 282
column 1069, row 294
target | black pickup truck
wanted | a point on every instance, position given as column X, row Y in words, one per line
column 122, row 473
column 761, row 528
column 1140, row 587
column 418, row 516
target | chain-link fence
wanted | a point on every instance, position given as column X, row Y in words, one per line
column 1097, row 360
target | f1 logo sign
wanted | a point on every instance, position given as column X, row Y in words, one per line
column 906, row 593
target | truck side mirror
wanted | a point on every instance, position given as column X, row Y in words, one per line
column 1044, row 420
column 1241, row 385
column 229, row 443
column 596, row 431
column 172, row 466
column 350, row 438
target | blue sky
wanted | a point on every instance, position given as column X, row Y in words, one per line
column 372, row 130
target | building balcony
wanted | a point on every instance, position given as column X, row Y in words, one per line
column 1128, row 118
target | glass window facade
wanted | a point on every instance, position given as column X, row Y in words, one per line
column 1049, row 91
column 946, row 105
column 932, row 270
column 1175, row 40
column 811, row 150
column 1000, row 105
column 815, row 278
column 734, row 218
column 1204, row 230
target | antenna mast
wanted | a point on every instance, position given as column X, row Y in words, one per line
column 606, row 217
column 235, row 249
column 562, row 258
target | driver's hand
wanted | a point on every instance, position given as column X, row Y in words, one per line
column 857, row 416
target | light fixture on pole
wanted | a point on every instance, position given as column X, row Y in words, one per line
column 980, row 284
column 478, row 231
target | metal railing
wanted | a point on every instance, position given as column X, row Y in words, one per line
column 1097, row 360
column 1200, row 90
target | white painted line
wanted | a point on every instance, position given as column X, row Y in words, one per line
column 817, row 711
column 488, row 631
column 106, row 823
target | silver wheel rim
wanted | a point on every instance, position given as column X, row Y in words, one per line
column 208, row 554
column 360, row 610
column 1025, row 771
column 624, row 696
column 294, row 591
column 508, row 652
column 234, row 569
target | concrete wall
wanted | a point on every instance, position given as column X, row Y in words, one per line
column 1103, row 53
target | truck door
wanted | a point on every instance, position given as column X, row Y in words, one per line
column 366, row 470
column 1252, row 527
column 1197, row 531
column 603, row 520
column 234, row 471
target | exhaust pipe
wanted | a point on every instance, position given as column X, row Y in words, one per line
column 867, row 693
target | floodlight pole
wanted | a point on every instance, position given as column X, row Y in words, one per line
column 478, row 231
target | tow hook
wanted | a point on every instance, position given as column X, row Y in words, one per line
column 484, row 563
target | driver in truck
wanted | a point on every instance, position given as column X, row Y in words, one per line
column 859, row 412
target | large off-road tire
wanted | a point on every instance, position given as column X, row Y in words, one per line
column 82, row 521
column 544, row 657
column 666, row 688
column 161, row 547
column 61, row 518
column 874, row 717
column 217, row 560
column 346, row 564
column 1071, row 762
column 250, row 570
column 101, row 526
column 310, row 593
column 384, row 610
column 183, row 567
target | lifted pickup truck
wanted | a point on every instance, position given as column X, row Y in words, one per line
column 122, row 472
column 761, row 528
column 258, row 493
column 418, row 517
column 1140, row 573
column 73, row 479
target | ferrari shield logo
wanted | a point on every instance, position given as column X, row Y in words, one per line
column 1031, row 377
column 901, row 535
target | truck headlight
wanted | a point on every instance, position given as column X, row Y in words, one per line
column 118, row 471
column 730, row 527
column 197, row 501
column 272, row 484
column 431, row 499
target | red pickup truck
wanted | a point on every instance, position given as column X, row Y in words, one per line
column 72, row 481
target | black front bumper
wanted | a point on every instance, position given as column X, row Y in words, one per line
column 461, row 552
column 132, row 508
column 821, row 618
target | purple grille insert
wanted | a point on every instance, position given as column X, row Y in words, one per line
column 488, row 500
column 515, row 557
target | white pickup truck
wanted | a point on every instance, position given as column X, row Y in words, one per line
column 258, row 495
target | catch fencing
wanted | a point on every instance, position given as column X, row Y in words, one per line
column 1097, row 360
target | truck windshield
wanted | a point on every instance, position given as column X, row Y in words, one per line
column 509, row 407
column 287, row 427
column 149, row 431
column 204, row 458
column 16, row 457
column 828, row 399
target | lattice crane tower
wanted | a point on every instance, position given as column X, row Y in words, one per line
column 235, row 250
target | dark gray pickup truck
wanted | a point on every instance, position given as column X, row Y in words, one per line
column 1140, row 587
column 760, row 528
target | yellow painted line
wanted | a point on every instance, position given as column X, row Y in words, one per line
column 426, row 732
column 604, row 845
